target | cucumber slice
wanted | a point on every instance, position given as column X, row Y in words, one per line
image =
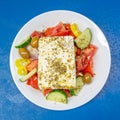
column 30, row 74
column 24, row 43
column 79, row 85
column 83, row 40
column 57, row 96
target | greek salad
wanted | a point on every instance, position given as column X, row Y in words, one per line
column 84, row 50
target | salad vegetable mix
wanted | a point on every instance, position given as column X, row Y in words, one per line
column 27, row 65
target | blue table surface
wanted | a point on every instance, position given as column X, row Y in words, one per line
column 14, row 14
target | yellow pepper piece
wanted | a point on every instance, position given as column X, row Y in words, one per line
column 75, row 29
column 21, row 66
column 22, row 71
column 22, row 62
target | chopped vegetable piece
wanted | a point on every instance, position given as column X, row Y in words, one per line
column 46, row 91
column 22, row 71
column 67, row 91
column 70, row 33
column 21, row 62
column 34, row 42
column 37, row 34
column 81, row 62
column 87, row 78
column 21, row 66
column 79, row 85
column 33, row 52
column 86, row 55
column 24, row 43
column 57, row 96
column 33, row 64
column 33, row 81
column 30, row 74
column 78, row 52
column 89, row 69
column 24, row 53
column 90, row 51
column 75, row 29
column 83, row 40
column 59, row 30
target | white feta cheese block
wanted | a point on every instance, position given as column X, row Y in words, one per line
column 56, row 63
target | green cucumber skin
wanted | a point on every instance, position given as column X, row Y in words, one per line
column 81, row 42
column 30, row 74
column 24, row 43
column 57, row 96
column 79, row 85
column 73, row 92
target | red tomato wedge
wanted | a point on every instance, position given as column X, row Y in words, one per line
column 89, row 69
column 83, row 60
column 46, row 91
column 33, row 64
column 55, row 31
column 59, row 30
column 67, row 26
column 37, row 34
column 33, row 81
column 48, row 31
column 90, row 51
column 78, row 52
column 67, row 92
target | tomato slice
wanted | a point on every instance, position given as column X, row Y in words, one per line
column 53, row 31
column 67, row 92
column 33, row 81
column 60, row 27
column 37, row 34
column 83, row 60
column 33, row 64
column 89, row 69
column 78, row 52
column 59, row 30
column 46, row 91
column 90, row 51
column 67, row 26
column 49, row 32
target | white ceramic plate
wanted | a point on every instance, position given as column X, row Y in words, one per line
column 102, row 58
